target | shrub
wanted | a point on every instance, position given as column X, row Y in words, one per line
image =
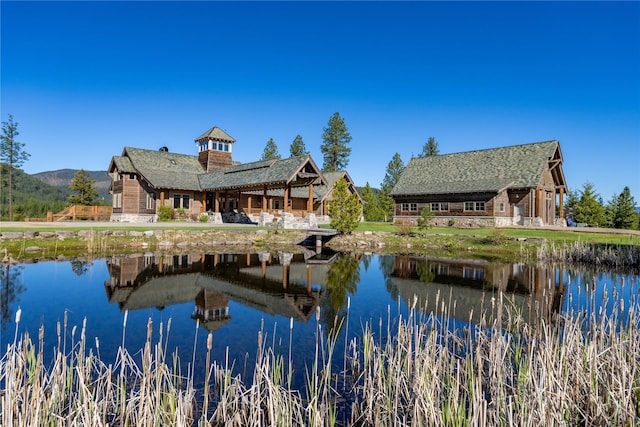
column 403, row 227
column 496, row 237
column 165, row 213
column 203, row 217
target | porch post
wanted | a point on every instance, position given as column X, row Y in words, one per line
column 216, row 202
column 561, row 204
column 249, row 203
column 286, row 198
column 310, row 199
column 265, row 208
column 162, row 198
column 538, row 202
column 203, row 208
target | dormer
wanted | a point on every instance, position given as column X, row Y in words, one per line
column 214, row 149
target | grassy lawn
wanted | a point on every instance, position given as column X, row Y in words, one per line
column 569, row 236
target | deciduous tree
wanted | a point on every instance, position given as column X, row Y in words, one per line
column 270, row 150
column 297, row 147
column 85, row 188
column 344, row 209
column 12, row 156
column 335, row 144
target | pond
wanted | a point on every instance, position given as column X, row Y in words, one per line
column 291, row 299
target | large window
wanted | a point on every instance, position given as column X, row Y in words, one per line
column 117, row 200
column 151, row 201
column 181, row 201
column 409, row 207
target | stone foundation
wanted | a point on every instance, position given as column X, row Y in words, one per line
column 120, row 217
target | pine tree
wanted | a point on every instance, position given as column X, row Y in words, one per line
column 334, row 147
column 371, row 208
column 297, row 147
column 425, row 221
column 270, row 150
column 84, row 185
column 622, row 210
column 589, row 209
column 391, row 177
column 12, row 156
column 430, row 148
column 344, row 209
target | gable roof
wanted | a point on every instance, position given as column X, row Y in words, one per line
column 491, row 170
column 163, row 169
column 276, row 173
column 215, row 133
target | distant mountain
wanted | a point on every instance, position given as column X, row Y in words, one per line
column 62, row 178
column 32, row 197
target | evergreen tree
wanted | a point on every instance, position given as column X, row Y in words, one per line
column 589, row 209
column 297, row 147
column 270, row 150
column 425, row 221
column 622, row 210
column 344, row 209
column 391, row 177
column 12, row 156
column 85, row 188
column 430, row 148
column 334, row 147
column 371, row 208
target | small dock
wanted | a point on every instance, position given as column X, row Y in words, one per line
column 318, row 237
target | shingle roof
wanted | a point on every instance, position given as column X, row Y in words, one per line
column 491, row 170
column 319, row 191
column 267, row 172
column 215, row 133
column 163, row 169
column 123, row 164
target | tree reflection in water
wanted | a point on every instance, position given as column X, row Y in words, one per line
column 341, row 282
column 10, row 290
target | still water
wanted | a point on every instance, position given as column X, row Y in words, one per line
column 235, row 296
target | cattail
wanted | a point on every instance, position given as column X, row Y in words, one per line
column 18, row 315
column 209, row 341
column 124, row 322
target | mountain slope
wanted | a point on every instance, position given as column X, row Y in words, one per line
column 62, row 178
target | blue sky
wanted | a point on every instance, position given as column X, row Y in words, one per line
column 85, row 79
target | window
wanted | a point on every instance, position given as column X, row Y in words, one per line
column 409, row 207
column 117, row 176
column 501, row 207
column 440, row 207
column 405, row 207
column 150, row 201
column 132, row 176
column 474, row 206
column 180, row 201
column 117, row 200
column 276, row 204
column 414, row 207
column 226, row 147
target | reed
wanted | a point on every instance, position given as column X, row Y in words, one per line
column 574, row 370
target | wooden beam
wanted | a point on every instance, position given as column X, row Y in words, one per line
column 286, row 198
column 561, row 204
column 310, row 199
column 216, row 202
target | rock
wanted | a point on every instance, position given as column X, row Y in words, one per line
column 13, row 234
column 32, row 249
column 135, row 233
column 85, row 233
column 65, row 234
column 46, row 234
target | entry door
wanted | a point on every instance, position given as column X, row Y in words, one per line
column 517, row 214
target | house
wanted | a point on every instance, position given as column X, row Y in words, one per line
column 211, row 182
column 516, row 185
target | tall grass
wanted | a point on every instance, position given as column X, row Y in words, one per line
column 618, row 257
column 572, row 370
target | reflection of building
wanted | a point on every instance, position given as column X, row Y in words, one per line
column 532, row 290
column 281, row 284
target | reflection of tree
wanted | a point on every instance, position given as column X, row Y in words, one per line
column 387, row 266
column 10, row 290
column 342, row 280
column 424, row 272
column 80, row 267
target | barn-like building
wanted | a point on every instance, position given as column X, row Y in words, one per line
column 516, row 185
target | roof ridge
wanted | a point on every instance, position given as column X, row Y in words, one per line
column 492, row 149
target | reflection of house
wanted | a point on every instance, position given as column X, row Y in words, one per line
column 499, row 186
column 144, row 180
column 281, row 285
column 532, row 290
